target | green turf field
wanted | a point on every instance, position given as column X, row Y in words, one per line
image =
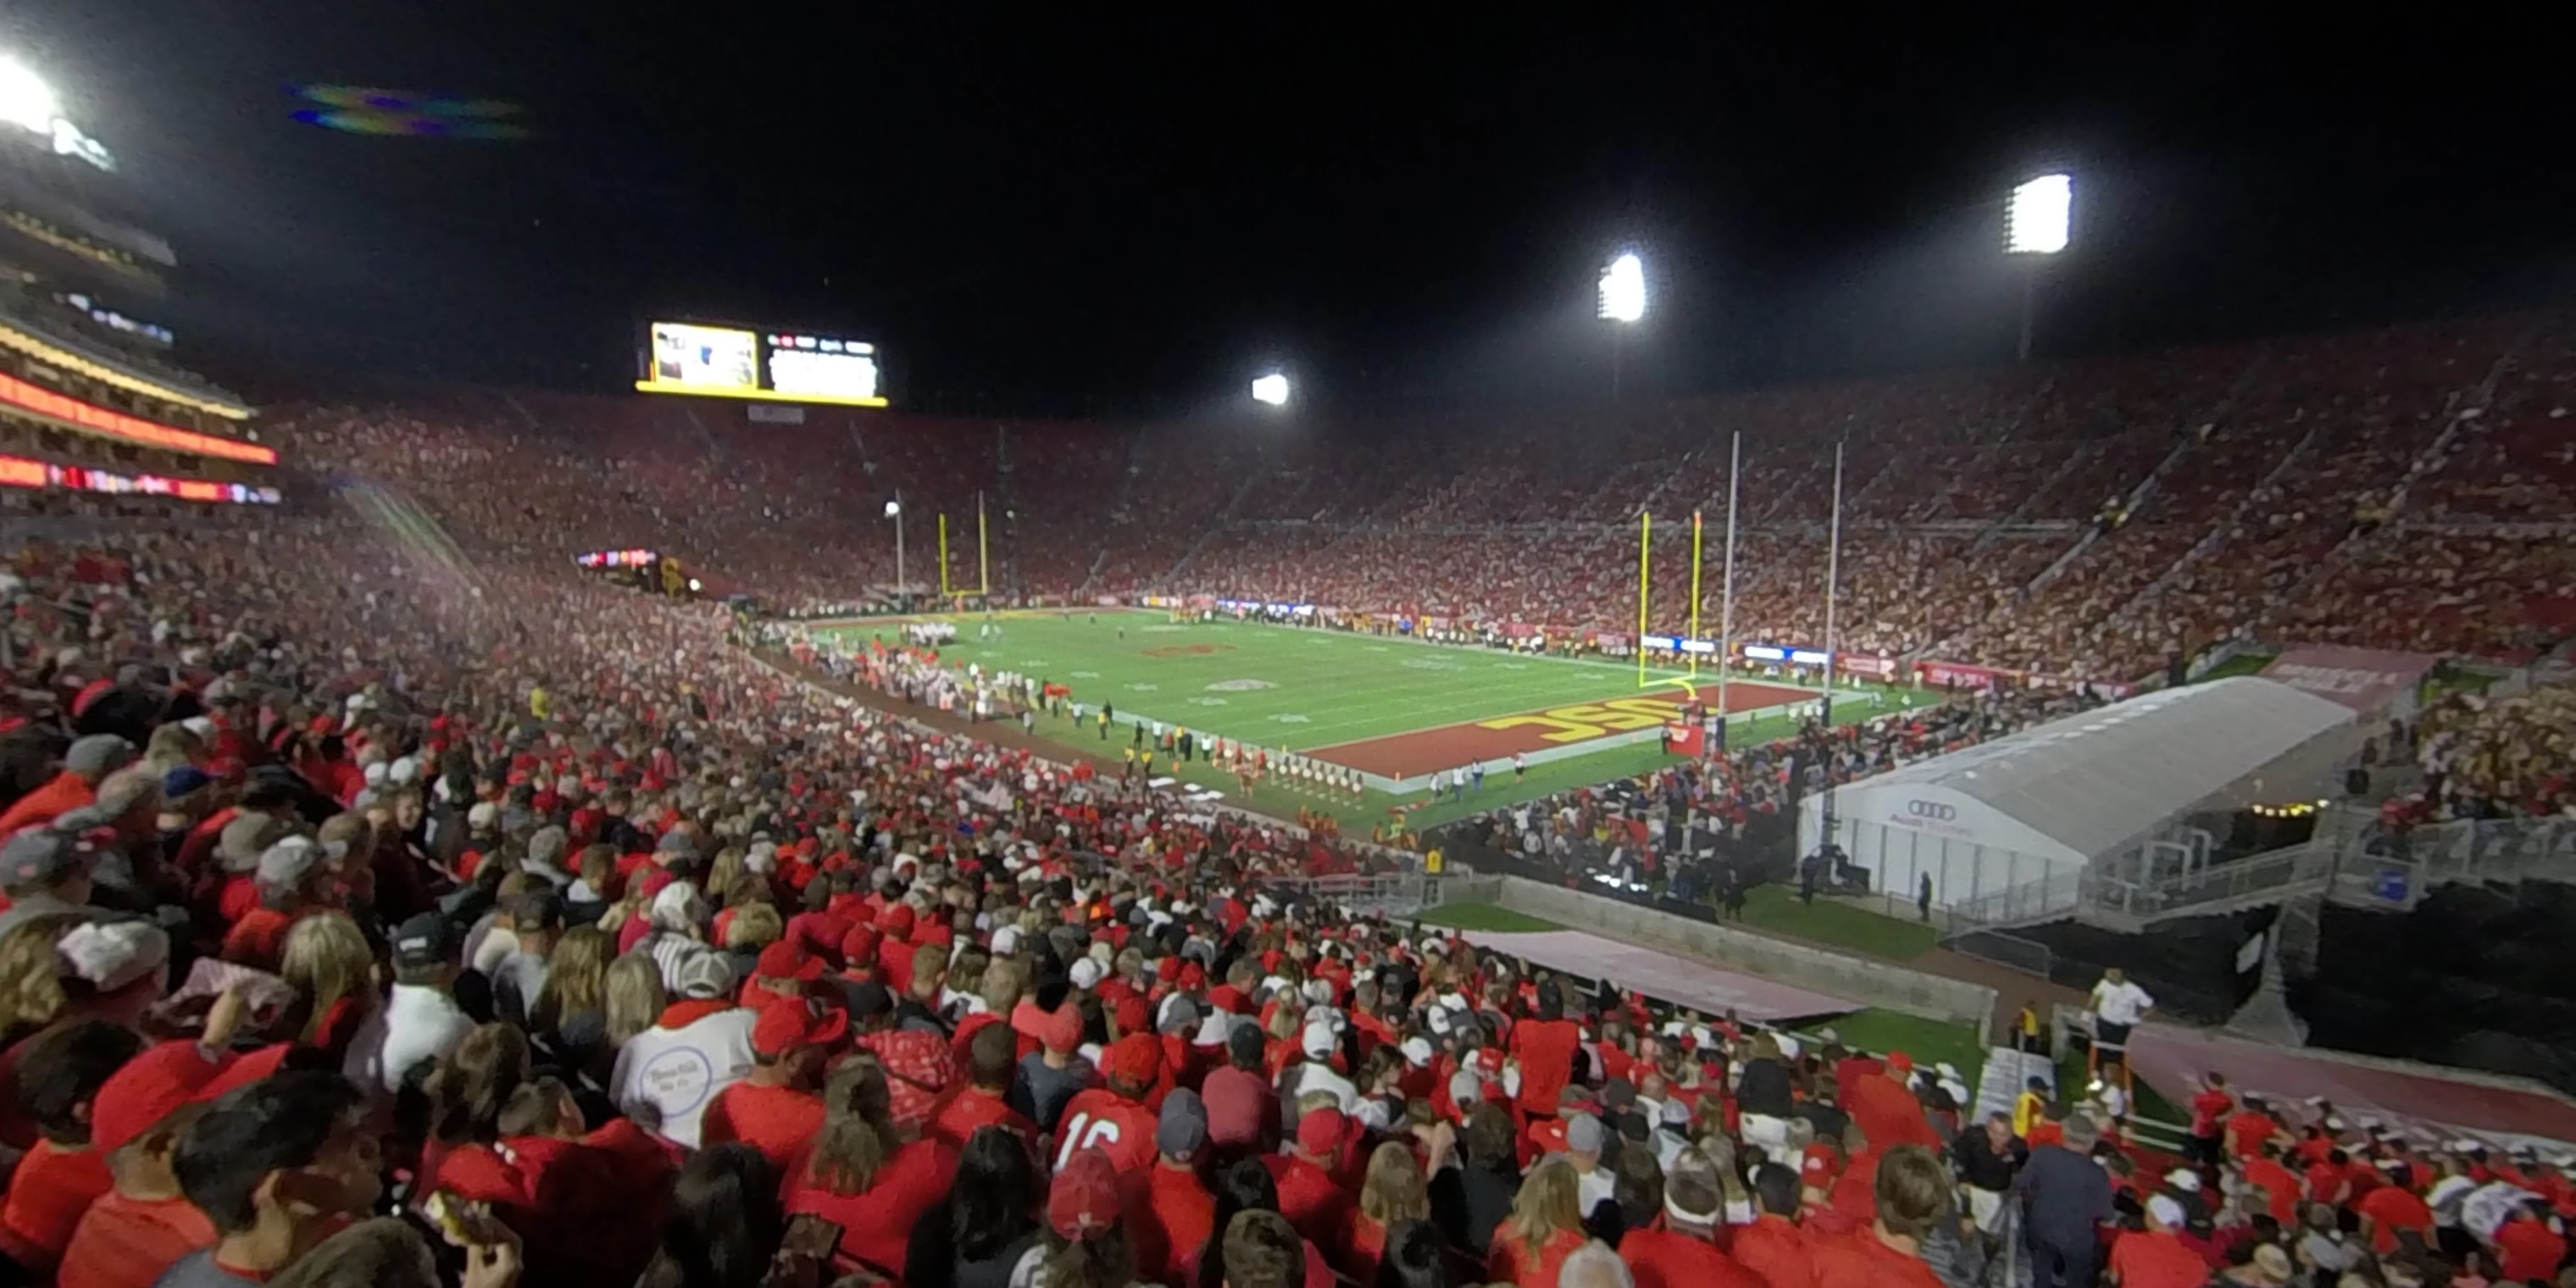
column 1280, row 687
column 1294, row 689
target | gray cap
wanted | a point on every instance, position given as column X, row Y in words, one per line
column 546, row 845
column 285, row 864
column 39, row 857
column 244, row 840
column 97, row 755
column 705, row 976
column 1584, row 1134
column 1182, row 1130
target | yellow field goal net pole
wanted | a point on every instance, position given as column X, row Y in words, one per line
column 1694, row 627
column 983, row 555
column 944, row 592
column 1645, row 529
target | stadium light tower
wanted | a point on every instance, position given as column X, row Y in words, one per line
column 1271, row 390
column 26, row 101
column 2035, row 228
column 1623, row 301
column 894, row 511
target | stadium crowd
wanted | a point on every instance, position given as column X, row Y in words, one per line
column 521, row 907
column 2089, row 520
column 1709, row 830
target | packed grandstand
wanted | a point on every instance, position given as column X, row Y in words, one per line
column 367, row 853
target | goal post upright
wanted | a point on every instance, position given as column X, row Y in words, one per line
column 1694, row 613
column 1645, row 531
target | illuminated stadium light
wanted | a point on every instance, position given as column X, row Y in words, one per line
column 894, row 509
column 1271, row 390
column 1623, row 289
column 26, row 101
column 2036, row 219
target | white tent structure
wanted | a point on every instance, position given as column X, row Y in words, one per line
column 2008, row 828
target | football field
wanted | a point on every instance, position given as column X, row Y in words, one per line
column 1395, row 709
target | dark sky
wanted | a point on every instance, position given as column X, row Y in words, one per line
column 1115, row 208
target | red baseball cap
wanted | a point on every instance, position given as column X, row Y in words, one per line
column 1133, row 1015
column 787, row 959
column 1059, row 1029
column 1082, row 1201
column 1319, row 1132
column 163, row 1078
column 1136, row 1059
column 802, row 1022
column 859, row 947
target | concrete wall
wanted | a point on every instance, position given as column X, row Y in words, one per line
column 1873, row 983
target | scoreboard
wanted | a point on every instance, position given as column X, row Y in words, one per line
column 776, row 366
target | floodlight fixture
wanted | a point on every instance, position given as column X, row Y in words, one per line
column 893, row 509
column 2035, row 221
column 26, row 101
column 1271, row 390
column 1623, row 289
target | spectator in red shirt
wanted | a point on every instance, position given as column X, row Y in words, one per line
column 1393, row 1190
column 1308, row 1195
column 1113, row 1118
column 1774, row 1247
column 1684, row 1254
column 1545, row 1227
column 59, row 1079
column 860, row 1176
column 1083, row 1242
column 2210, row 1109
column 2248, row 1128
column 85, row 763
column 2393, row 1209
column 1243, row 1108
column 1912, row 1192
column 774, row 1108
column 1546, row 1048
column 277, row 1166
column 2528, row 1250
column 1169, row 1209
column 992, row 1055
column 2156, row 1257
column 291, row 882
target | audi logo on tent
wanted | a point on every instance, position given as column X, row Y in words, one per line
column 1933, row 810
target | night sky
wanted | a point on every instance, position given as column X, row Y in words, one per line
column 1112, row 209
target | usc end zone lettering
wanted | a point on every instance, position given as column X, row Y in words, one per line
column 1592, row 719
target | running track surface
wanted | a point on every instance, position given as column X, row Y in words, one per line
column 2169, row 1058
column 1660, row 975
column 1421, row 751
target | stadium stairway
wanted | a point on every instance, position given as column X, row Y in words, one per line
column 2000, row 1083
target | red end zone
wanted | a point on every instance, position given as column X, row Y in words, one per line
column 1405, row 755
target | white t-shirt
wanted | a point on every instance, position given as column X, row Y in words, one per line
column 678, row 1071
column 417, row 1023
column 2121, row 1003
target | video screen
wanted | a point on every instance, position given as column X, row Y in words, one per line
column 772, row 366
column 822, row 367
column 705, row 357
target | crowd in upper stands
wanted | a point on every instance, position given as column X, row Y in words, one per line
column 2087, row 520
column 2488, row 758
